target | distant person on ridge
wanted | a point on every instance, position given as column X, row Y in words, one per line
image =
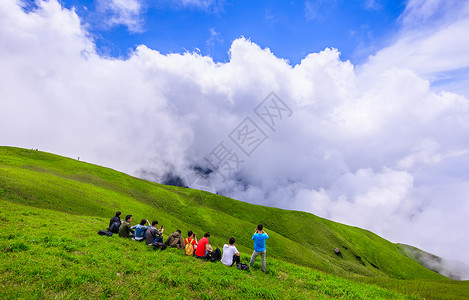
column 203, row 247
column 124, row 230
column 115, row 223
column 153, row 234
column 175, row 240
column 259, row 238
column 230, row 254
column 140, row 230
column 191, row 243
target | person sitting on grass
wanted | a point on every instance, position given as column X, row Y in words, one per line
column 192, row 240
column 115, row 223
column 259, row 238
column 124, row 229
column 203, row 247
column 153, row 234
column 140, row 230
column 175, row 240
column 230, row 254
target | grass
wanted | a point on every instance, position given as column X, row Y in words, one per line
column 53, row 206
column 49, row 254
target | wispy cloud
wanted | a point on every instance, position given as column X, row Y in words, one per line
column 315, row 9
column 432, row 42
column 207, row 5
column 123, row 12
column 372, row 5
column 214, row 38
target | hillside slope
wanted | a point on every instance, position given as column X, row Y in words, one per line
column 451, row 269
column 45, row 255
column 56, row 183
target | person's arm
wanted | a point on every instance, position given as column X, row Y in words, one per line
column 159, row 233
column 133, row 227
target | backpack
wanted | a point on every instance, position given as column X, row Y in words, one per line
column 115, row 227
column 242, row 266
column 104, row 232
column 157, row 245
column 189, row 248
column 215, row 255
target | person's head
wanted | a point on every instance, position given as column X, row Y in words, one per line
column 128, row 218
column 118, row 214
column 189, row 233
column 154, row 223
column 143, row 221
column 207, row 235
column 260, row 227
column 232, row 241
column 178, row 231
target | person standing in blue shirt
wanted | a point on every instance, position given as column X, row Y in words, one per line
column 259, row 238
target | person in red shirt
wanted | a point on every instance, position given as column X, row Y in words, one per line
column 191, row 239
column 203, row 247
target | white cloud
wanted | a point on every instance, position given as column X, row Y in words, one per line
column 432, row 42
column 123, row 12
column 372, row 146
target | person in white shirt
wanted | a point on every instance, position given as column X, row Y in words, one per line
column 230, row 254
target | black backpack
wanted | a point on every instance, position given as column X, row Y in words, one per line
column 242, row 266
column 115, row 227
column 104, row 232
column 157, row 245
column 215, row 255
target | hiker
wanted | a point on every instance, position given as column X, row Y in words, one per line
column 230, row 253
column 153, row 234
column 191, row 243
column 259, row 238
column 124, row 229
column 203, row 247
column 175, row 240
column 140, row 230
column 115, row 223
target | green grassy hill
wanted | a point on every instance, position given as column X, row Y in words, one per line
column 451, row 269
column 53, row 206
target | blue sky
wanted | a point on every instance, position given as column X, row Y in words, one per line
column 291, row 29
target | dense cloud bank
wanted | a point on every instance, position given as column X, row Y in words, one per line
column 374, row 146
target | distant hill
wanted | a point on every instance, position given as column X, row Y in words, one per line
column 451, row 269
column 51, row 183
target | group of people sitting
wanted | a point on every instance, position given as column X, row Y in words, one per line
column 200, row 249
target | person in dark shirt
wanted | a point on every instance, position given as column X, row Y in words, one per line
column 124, row 230
column 116, row 219
column 153, row 234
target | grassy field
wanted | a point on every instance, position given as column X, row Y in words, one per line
column 49, row 254
column 51, row 208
